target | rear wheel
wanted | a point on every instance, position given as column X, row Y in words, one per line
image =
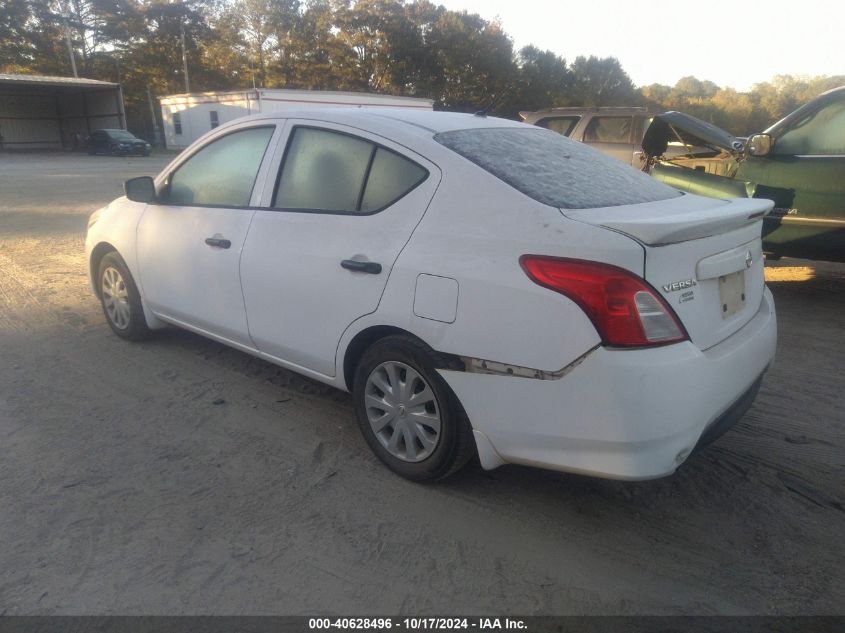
column 408, row 415
column 120, row 298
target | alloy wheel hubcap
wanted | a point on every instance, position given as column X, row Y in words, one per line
column 402, row 411
column 115, row 298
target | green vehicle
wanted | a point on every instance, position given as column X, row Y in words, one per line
column 799, row 162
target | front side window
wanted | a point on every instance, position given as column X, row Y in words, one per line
column 820, row 132
column 214, row 120
column 177, row 123
column 553, row 169
column 560, row 124
column 222, row 173
column 608, row 129
column 338, row 173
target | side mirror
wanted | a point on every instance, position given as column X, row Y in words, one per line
column 760, row 145
column 140, row 189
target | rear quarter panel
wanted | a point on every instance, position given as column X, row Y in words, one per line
column 474, row 232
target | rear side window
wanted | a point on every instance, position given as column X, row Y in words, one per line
column 560, row 124
column 391, row 177
column 222, row 173
column 553, row 169
column 338, row 173
column 608, row 129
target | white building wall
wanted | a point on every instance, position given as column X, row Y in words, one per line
column 195, row 109
column 195, row 114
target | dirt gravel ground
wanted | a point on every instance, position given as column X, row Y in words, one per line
column 124, row 488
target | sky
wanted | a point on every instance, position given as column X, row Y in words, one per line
column 733, row 43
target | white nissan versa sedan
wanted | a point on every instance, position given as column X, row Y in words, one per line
column 481, row 286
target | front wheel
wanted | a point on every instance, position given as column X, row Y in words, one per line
column 120, row 298
column 407, row 413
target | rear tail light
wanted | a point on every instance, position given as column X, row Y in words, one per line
column 625, row 310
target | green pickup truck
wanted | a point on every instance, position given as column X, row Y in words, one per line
column 799, row 162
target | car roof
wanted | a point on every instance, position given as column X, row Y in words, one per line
column 819, row 101
column 834, row 91
column 572, row 110
column 411, row 121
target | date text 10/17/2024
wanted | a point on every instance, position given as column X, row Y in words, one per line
column 416, row 624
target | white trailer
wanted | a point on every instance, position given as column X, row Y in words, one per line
column 186, row 117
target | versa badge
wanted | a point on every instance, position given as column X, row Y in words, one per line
column 679, row 285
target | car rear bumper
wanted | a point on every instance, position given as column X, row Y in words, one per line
column 622, row 414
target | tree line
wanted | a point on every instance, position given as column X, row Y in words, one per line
column 410, row 48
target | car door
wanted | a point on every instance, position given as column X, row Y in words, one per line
column 611, row 134
column 190, row 241
column 805, row 175
column 342, row 206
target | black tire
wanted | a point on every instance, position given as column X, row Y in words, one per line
column 455, row 445
column 134, row 326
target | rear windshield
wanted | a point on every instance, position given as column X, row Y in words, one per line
column 553, row 169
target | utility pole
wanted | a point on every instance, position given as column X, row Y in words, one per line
column 184, row 56
column 156, row 137
column 67, row 39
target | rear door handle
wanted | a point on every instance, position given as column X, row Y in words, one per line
column 218, row 242
column 361, row 267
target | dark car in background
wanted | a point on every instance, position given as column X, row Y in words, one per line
column 117, row 143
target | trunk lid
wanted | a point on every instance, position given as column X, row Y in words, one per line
column 704, row 257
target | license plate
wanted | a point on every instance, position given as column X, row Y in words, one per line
column 732, row 293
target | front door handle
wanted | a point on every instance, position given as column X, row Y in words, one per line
column 218, row 242
column 361, row 267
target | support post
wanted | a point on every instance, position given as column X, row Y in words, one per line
column 69, row 43
column 85, row 112
column 156, row 138
column 184, row 57
column 121, row 109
